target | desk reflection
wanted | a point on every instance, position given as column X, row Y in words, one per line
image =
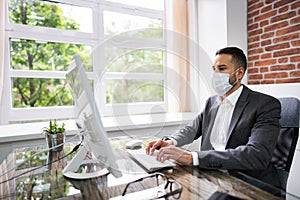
column 41, row 178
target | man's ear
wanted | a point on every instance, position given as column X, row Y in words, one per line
column 240, row 73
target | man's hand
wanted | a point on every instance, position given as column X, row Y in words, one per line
column 168, row 151
column 175, row 153
column 156, row 145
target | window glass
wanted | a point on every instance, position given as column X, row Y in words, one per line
column 155, row 4
column 50, row 14
column 37, row 92
column 38, row 53
column 130, row 91
column 133, row 60
column 144, row 27
column 49, row 56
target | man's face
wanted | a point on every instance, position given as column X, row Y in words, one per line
column 223, row 64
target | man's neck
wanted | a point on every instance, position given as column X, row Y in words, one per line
column 233, row 89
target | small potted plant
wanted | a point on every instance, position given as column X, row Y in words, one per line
column 55, row 135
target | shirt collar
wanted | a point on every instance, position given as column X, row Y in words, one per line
column 232, row 98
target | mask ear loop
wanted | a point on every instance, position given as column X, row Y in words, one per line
column 236, row 80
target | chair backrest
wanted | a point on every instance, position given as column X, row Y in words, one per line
column 287, row 140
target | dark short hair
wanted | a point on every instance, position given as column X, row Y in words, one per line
column 238, row 57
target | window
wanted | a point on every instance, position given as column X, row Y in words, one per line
column 121, row 42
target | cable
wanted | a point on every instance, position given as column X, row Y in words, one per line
column 15, row 194
column 73, row 150
column 38, row 154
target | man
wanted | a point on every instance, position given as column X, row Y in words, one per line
column 239, row 127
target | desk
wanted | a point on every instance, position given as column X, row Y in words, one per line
column 48, row 182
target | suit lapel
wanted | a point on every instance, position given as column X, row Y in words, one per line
column 240, row 106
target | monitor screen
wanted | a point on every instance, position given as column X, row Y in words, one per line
column 90, row 127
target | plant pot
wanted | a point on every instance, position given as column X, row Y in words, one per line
column 55, row 140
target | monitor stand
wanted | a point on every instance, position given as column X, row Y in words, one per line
column 71, row 170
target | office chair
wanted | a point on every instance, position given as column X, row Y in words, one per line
column 287, row 140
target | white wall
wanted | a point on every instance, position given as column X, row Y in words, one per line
column 221, row 23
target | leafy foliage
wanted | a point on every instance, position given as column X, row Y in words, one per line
column 49, row 56
column 54, row 128
column 41, row 55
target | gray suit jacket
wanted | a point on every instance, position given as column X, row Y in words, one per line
column 251, row 138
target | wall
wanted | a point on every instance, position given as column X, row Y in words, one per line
column 221, row 23
column 273, row 41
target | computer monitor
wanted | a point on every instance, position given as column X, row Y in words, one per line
column 90, row 127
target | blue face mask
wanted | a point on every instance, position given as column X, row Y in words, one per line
column 220, row 83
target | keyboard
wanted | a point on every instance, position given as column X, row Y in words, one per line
column 149, row 162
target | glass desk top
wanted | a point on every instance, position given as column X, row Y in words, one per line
column 32, row 173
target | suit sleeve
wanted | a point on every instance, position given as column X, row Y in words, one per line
column 193, row 130
column 189, row 133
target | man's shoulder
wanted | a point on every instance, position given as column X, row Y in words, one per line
column 256, row 96
column 212, row 99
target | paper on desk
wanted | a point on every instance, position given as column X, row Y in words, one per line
column 151, row 193
column 128, row 175
column 124, row 179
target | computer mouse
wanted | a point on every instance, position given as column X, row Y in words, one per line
column 134, row 144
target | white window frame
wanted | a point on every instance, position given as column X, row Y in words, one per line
column 91, row 39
